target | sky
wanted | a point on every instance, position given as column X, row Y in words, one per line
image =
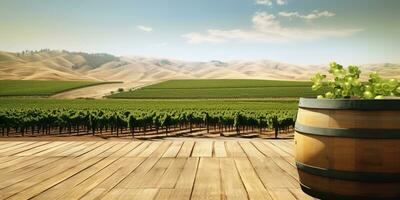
column 292, row 31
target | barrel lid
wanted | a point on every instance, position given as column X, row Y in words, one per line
column 350, row 104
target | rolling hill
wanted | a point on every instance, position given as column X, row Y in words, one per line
column 141, row 71
column 64, row 65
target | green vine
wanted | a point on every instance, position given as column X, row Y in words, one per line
column 346, row 84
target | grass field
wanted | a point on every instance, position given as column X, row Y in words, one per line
column 41, row 88
column 119, row 104
column 226, row 83
column 223, row 88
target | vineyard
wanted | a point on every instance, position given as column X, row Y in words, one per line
column 220, row 88
column 21, row 117
column 149, row 117
column 41, row 87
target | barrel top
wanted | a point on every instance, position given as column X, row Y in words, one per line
column 350, row 104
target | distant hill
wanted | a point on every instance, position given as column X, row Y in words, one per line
column 65, row 65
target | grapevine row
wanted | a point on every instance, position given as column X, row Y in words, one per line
column 69, row 121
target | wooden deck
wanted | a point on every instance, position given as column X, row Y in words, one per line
column 166, row 169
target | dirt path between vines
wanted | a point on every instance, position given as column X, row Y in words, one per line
column 99, row 91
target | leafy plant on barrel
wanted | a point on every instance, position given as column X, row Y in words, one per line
column 346, row 84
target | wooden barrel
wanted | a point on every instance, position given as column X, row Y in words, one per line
column 349, row 149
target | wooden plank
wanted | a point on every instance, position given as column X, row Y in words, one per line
column 300, row 195
column 14, row 145
column 95, row 170
column 84, row 187
column 37, row 184
column 277, row 149
column 281, row 153
column 118, row 176
column 114, row 194
column 52, row 176
column 287, row 167
column 38, row 149
column 129, row 194
column 265, row 149
column 219, row 149
column 94, row 194
column 150, row 149
column 14, row 162
column 97, row 151
column 161, row 149
column 207, row 184
column 42, row 167
column 186, row 149
column 278, row 194
column 290, row 144
column 251, row 150
column 139, row 149
column 139, row 194
column 202, row 149
column 80, row 147
column 22, row 149
column 231, row 183
column 171, row 175
column 133, row 180
column 234, row 150
column 38, row 168
column 4, row 159
column 254, row 187
column 70, row 183
column 272, row 176
column 184, row 185
column 186, row 179
column 127, row 149
column 164, row 194
column 24, row 165
column 173, row 150
column 6, row 144
column 50, row 151
column 283, row 146
column 152, row 177
column 111, row 151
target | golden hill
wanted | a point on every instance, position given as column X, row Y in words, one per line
column 64, row 65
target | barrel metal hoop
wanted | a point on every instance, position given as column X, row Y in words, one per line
column 332, row 196
column 349, row 175
column 349, row 132
column 350, row 104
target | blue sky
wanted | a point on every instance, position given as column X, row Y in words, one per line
column 293, row 31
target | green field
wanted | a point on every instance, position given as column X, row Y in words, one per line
column 226, row 83
column 223, row 88
column 40, row 88
column 144, row 105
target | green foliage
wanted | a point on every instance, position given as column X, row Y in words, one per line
column 92, row 120
column 144, row 105
column 346, row 84
column 225, row 83
column 220, row 88
column 40, row 87
column 95, row 115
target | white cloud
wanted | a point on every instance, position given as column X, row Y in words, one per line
column 270, row 2
column 264, row 2
column 267, row 29
column 315, row 14
column 281, row 2
column 144, row 28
